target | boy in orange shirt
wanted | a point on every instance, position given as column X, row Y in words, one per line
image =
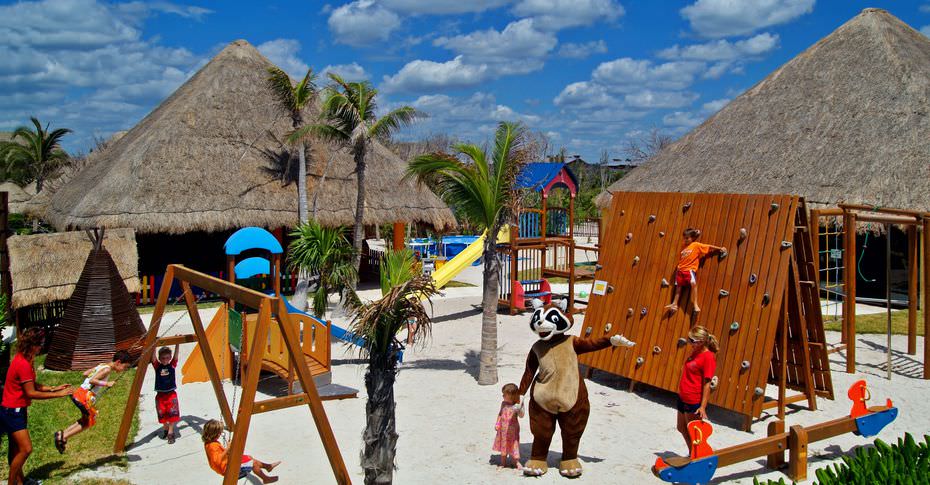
column 691, row 256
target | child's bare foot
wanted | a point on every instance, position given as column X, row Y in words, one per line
column 272, row 466
column 670, row 309
column 697, row 309
column 269, row 479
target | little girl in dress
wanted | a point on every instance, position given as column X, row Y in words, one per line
column 507, row 440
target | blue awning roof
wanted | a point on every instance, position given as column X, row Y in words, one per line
column 537, row 175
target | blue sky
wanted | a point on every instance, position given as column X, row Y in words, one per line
column 590, row 74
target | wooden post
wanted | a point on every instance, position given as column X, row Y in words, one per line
column 571, row 217
column 783, row 355
column 814, row 226
column 542, row 223
column 912, row 289
column 277, row 274
column 398, row 236
column 926, row 309
column 776, row 460
column 208, row 361
column 849, row 284
column 514, row 268
column 797, row 453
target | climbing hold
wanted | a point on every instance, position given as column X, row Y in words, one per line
column 607, row 327
column 643, row 312
column 652, row 217
column 686, row 206
column 583, row 294
column 587, row 331
column 785, row 244
column 640, row 361
column 723, row 253
column 629, row 237
column 734, row 326
column 610, row 289
column 753, row 278
column 759, row 391
column 661, row 234
column 743, row 233
column 682, row 342
column 622, row 212
column 724, row 293
column 744, row 365
column 665, row 283
column 629, row 312
column 766, row 299
column 635, row 260
column 714, row 381
column 656, row 350
column 773, row 207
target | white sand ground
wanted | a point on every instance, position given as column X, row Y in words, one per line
column 446, row 421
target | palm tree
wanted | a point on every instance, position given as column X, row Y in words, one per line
column 37, row 156
column 326, row 252
column 294, row 100
column 349, row 118
column 379, row 323
column 481, row 189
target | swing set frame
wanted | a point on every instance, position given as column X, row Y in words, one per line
column 271, row 310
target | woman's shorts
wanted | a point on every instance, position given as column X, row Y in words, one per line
column 13, row 419
column 686, row 408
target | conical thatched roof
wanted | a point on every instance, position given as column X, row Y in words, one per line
column 46, row 267
column 847, row 120
column 17, row 196
column 199, row 162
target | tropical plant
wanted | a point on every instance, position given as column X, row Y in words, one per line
column 481, row 188
column 396, row 268
column 326, row 252
column 349, row 118
column 379, row 323
column 294, row 99
column 33, row 154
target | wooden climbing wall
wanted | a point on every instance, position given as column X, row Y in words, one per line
column 755, row 275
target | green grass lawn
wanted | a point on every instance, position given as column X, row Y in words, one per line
column 91, row 448
column 878, row 323
column 458, row 284
column 175, row 308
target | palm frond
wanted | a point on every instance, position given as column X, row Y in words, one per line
column 399, row 118
column 324, row 132
column 280, row 85
column 381, row 320
column 396, row 268
column 305, row 90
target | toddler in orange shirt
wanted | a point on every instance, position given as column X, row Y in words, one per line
column 686, row 272
column 218, row 456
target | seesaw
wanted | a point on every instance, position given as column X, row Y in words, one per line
column 701, row 466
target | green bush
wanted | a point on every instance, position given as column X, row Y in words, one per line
column 905, row 462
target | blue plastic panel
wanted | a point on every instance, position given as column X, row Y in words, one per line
column 872, row 424
column 252, row 238
column 250, row 267
column 698, row 472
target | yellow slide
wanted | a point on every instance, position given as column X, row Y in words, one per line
column 469, row 255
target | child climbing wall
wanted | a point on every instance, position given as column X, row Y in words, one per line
column 692, row 253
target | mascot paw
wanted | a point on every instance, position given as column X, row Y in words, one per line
column 570, row 468
column 620, row 340
column 535, row 468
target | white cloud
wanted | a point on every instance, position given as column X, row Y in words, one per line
column 362, row 23
column 925, row 30
column 626, row 74
column 562, row 14
column 724, row 50
column 925, row 8
column 681, row 119
column 649, row 99
column 584, row 95
column 723, row 18
column 142, row 9
column 714, row 106
column 582, row 51
column 470, row 118
column 349, row 72
column 283, row 53
column 519, row 48
column 421, row 75
column 443, row 7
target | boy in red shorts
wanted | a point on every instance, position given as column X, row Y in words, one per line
column 166, row 398
column 685, row 273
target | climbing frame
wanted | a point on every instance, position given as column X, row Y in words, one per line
column 759, row 292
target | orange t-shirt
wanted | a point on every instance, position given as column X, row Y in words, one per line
column 691, row 256
column 216, row 456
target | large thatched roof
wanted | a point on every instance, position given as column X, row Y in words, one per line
column 199, row 162
column 46, row 267
column 847, row 120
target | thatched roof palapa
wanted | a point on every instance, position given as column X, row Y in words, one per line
column 46, row 267
column 844, row 121
column 200, row 160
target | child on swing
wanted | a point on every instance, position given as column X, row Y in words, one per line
column 166, row 398
column 692, row 253
column 85, row 397
column 507, row 439
column 218, row 456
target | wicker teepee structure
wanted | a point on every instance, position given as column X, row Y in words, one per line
column 100, row 318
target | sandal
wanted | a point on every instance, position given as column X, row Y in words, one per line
column 60, row 441
column 171, row 438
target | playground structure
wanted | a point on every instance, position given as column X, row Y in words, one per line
column 703, row 463
column 542, row 243
column 271, row 312
column 760, row 299
column 840, row 280
column 233, row 328
column 465, row 258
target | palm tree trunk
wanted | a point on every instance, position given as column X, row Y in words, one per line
column 359, row 233
column 487, row 360
column 379, row 440
column 299, row 300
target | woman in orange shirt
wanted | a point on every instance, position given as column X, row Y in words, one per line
column 685, row 273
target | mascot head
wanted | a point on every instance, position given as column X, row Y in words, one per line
column 549, row 321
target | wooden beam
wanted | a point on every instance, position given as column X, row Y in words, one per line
column 751, row 449
column 788, row 400
column 225, row 289
column 135, row 389
column 215, row 380
column 849, row 283
column 885, row 219
column 815, row 240
column 926, row 266
column 912, row 268
column 797, row 453
column 301, row 399
column 176, row 339
column 776, row 460
column 886, row 210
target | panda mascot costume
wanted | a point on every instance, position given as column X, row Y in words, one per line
column 558, row 394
